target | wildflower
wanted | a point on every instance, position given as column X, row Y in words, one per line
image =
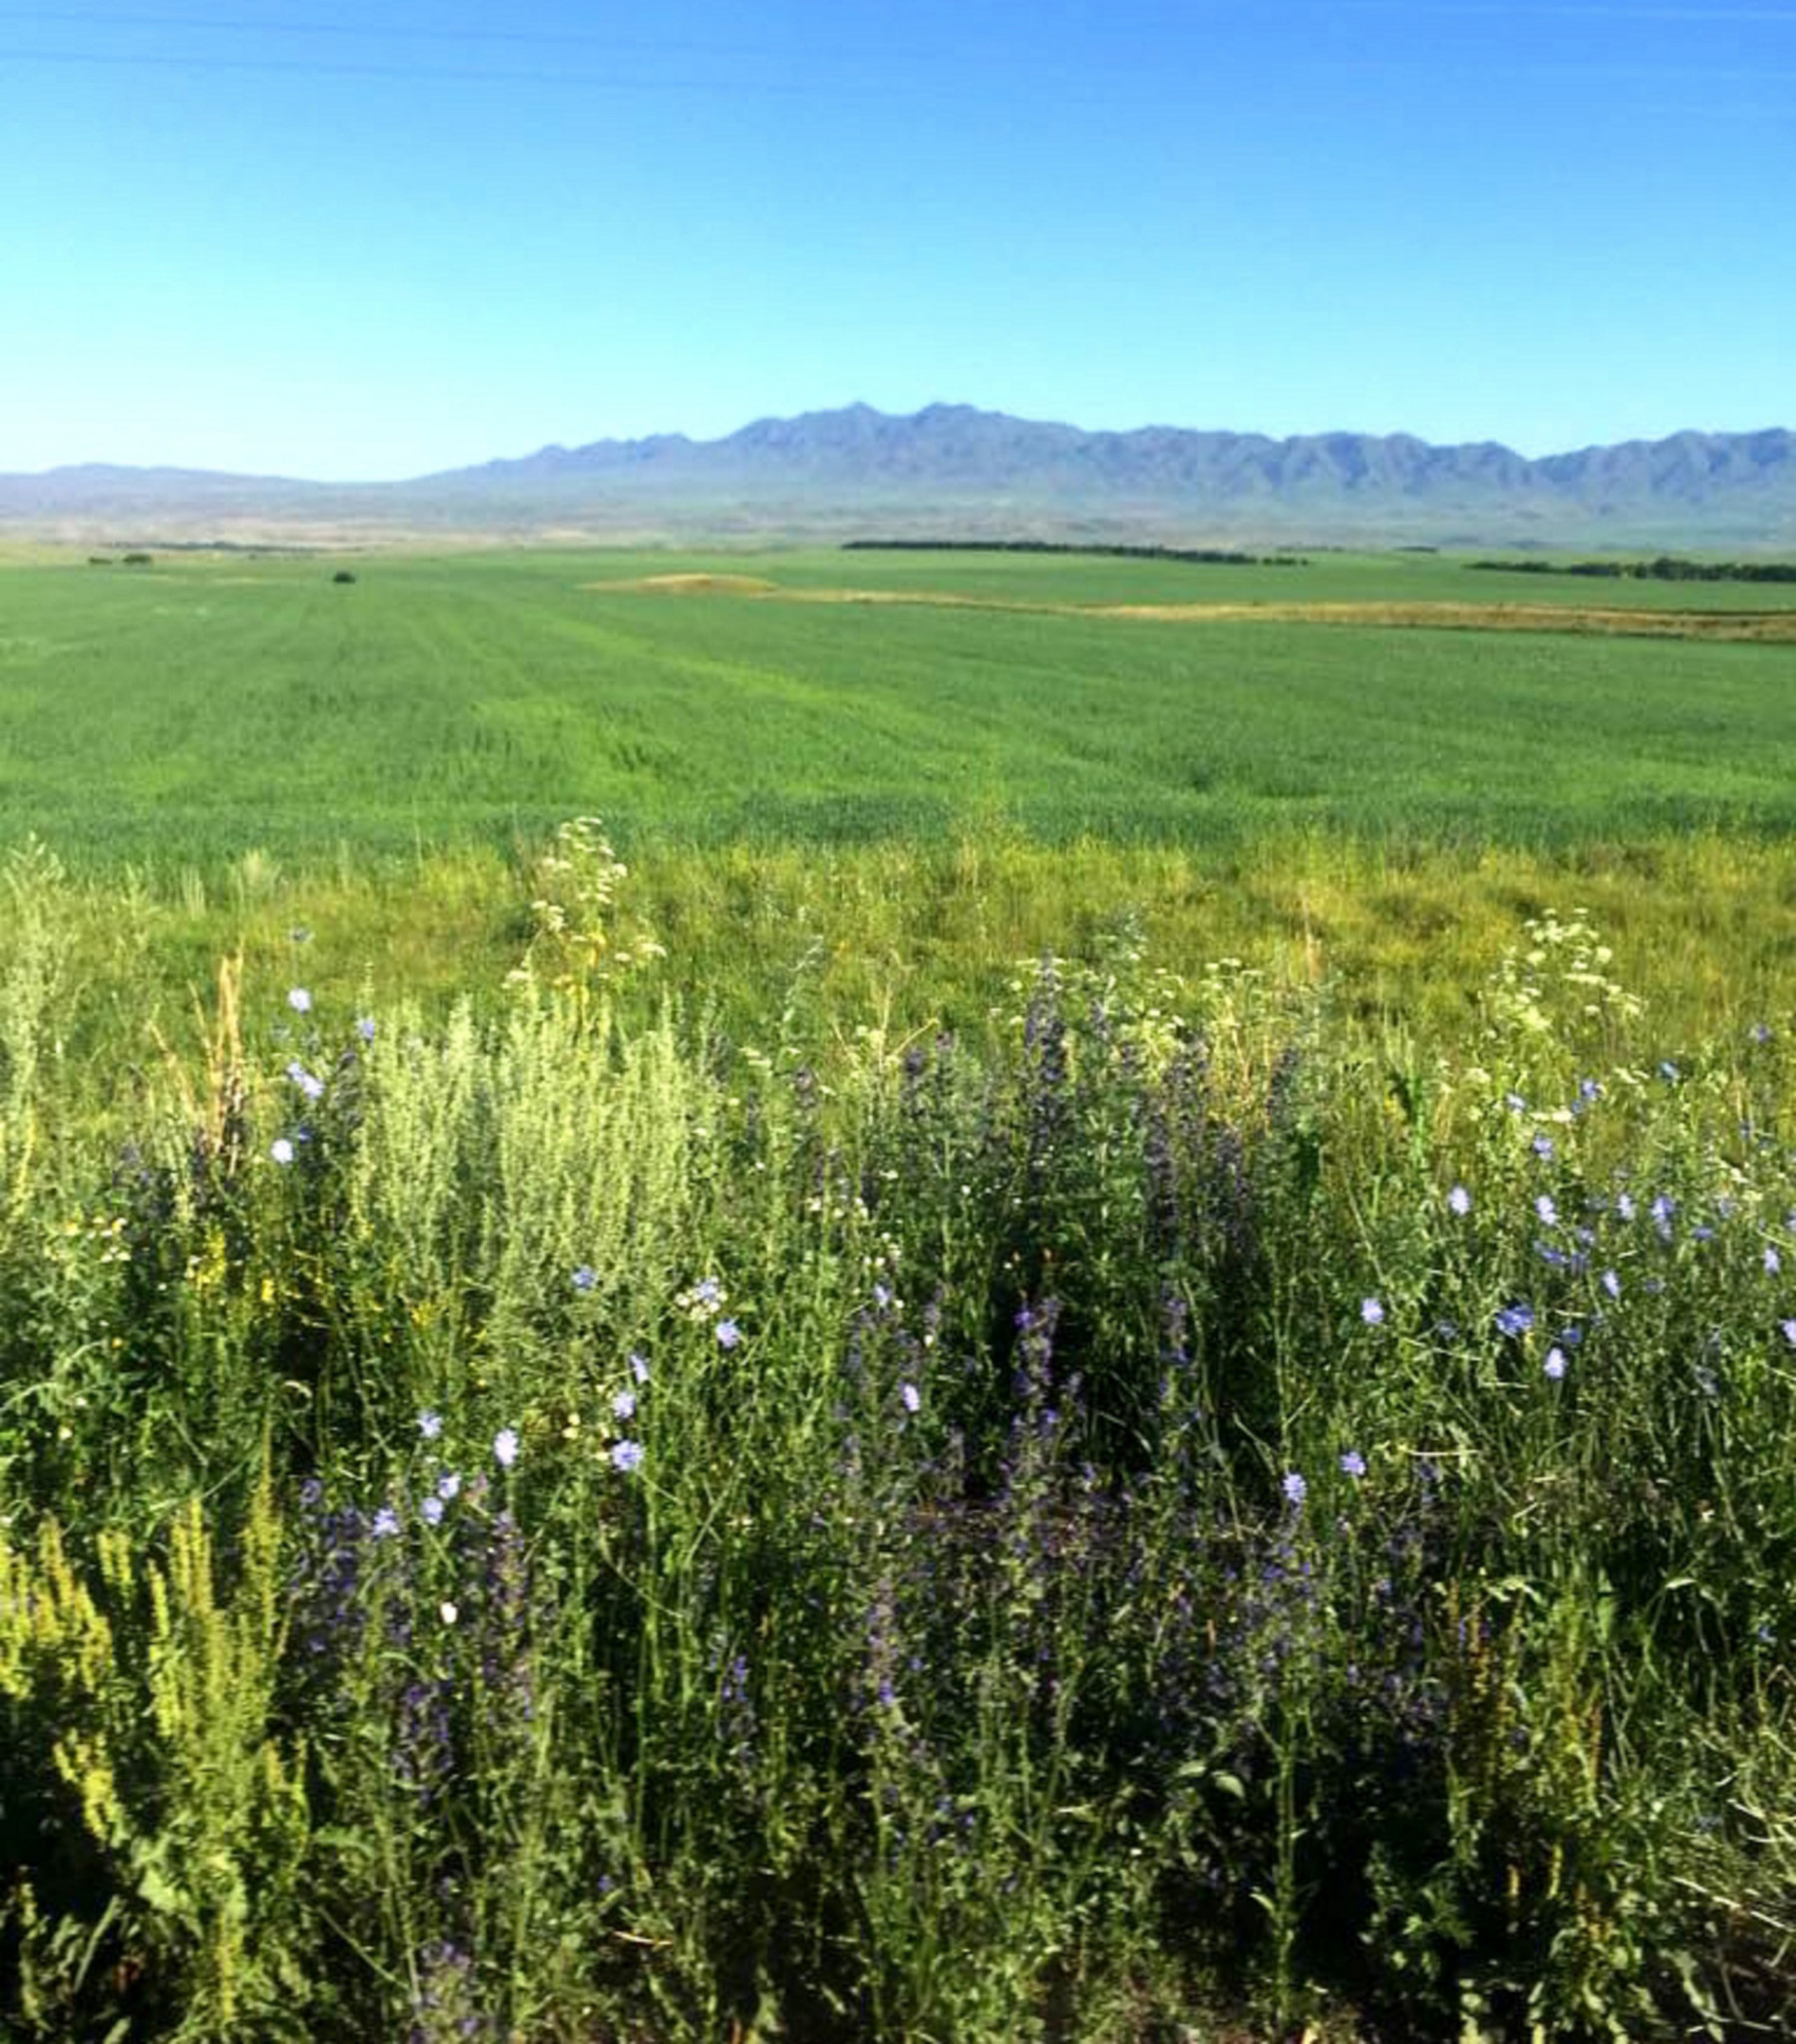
column 447, row 1611
column 638, row 1367
column 1669, row 1072
column 1611, row 1284
column 626, row 1455
column 728, row 1334
column 386, row 1523
column 300, row 1000
column 430, row 1424
column 1515, row 1320
column 448, row 1486
column 707, row 1292
column 882, row 1297
column 624, row 1405
column 281, row 1149
column 505, row 1446
column 1760, row 1032
column 1773, row 1261
column 1514, row 1102
column 1458, row 1201
column 1555, row 1365
column 1789, row 1331
column 1548, row 1211
column 1353, row 1463
column 1372, row 1311
column 1294, row 1488
column 364, row 1028
column 432, row 1509
column 1543, row 1147
column 1625, row 1206
column 911, row 1397
column 585, row 1277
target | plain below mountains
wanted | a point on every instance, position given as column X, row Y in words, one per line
column 954, row 471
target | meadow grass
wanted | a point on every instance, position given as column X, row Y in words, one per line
column 956, row 1432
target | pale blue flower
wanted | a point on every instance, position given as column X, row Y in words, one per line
column 1548, row 1211
column 433, row 1512
column 911, row 1397
column 430, row 1424
column 1515, row 1320
column 626, row 1455
column 281, row 1149
column 1294, row 1488
column 308, row 1083
column 1555, row 1365
column 1372, row 1311
column 624, row 1405
column 300, row 1000
column 585, row 1277
column 728, row 1334
column 638, row 1367
column 448, row 1486
column 1458, row 1201
column 505, row 1446
column 386, row 1523
column 1611, row 1284
column 1353, row 1463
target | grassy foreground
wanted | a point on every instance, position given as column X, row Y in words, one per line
column 739, row 1485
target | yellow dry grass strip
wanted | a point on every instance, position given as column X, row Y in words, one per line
column 1758, row 626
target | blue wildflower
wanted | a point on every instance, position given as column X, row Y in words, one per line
column 1458, row 1201
column 1548, row 1211
column 728, row 1334
column 386, row 1523
column 1353, row 1463
column 1611, row 1284
column 624, row 1405
column 585, row 1277
column 430, row 1424
column 1294, row 1488
column 1555, row 1365
column 281, row 1149
column 1515, row 1320
column 911, row 1397
column 505, row 1446
column 300, row 1000
column 1372, row 1311
column 626, row 1455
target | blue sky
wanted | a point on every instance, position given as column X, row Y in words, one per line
column 268, row 236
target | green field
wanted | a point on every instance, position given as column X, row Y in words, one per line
column 1106, row 1350
column 189, row 712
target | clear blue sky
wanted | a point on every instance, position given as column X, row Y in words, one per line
column 271, row 235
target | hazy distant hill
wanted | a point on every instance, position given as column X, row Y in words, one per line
column 953, row 468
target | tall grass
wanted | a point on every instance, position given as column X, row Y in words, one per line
column 558, row 1516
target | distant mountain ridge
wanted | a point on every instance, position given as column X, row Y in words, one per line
column 826, row 474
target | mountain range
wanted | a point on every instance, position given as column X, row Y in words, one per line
column 955, row 471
